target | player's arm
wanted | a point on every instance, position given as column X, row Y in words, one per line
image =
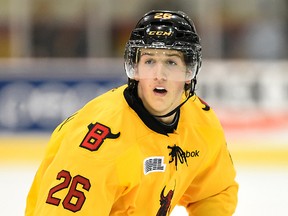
column 50, row 152
column 214, row 191
column 78, row 189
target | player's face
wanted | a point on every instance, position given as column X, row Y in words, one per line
column 162, row 75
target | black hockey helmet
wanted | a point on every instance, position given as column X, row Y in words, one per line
column 163, row 29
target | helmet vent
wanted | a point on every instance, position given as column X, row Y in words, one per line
column 140, row 33
column 180, row 35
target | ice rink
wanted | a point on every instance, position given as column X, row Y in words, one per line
column 262, row 175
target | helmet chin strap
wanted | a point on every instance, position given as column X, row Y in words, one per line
column 174, row 110
column 191, row 93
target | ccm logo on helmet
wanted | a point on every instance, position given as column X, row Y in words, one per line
column 160, row 33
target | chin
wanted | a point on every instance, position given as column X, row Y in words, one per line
column 159, row 112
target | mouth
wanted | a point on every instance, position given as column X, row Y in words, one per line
column 160, row 90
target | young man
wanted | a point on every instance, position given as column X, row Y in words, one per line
column 144, row 147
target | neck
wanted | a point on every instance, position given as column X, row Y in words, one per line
column 170, row 121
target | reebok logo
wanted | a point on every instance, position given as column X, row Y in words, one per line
column 177, row 154
column 192, row 153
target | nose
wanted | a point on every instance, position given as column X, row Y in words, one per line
column 160, row 73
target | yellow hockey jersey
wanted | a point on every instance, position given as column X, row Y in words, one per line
column 107, row 159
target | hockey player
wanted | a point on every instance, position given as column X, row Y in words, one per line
column 142, row 148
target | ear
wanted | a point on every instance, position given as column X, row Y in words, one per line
column 189, row 75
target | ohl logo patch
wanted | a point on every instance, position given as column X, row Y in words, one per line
column 96, row 136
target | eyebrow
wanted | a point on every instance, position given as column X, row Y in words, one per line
column 174, row 54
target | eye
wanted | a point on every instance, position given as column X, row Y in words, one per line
column 171, row 62
column 149, row 61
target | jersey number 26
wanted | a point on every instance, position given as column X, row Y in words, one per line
column 74, row 199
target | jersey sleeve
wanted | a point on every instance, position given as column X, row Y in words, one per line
column 214, row 191
column 51, row 150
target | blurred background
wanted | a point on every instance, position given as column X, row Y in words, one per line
column 57, row 55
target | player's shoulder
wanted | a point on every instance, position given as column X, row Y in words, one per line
column 102, row 117
column 111, row 101
column 102, row 108
column 201, row 112
column 108, row 98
